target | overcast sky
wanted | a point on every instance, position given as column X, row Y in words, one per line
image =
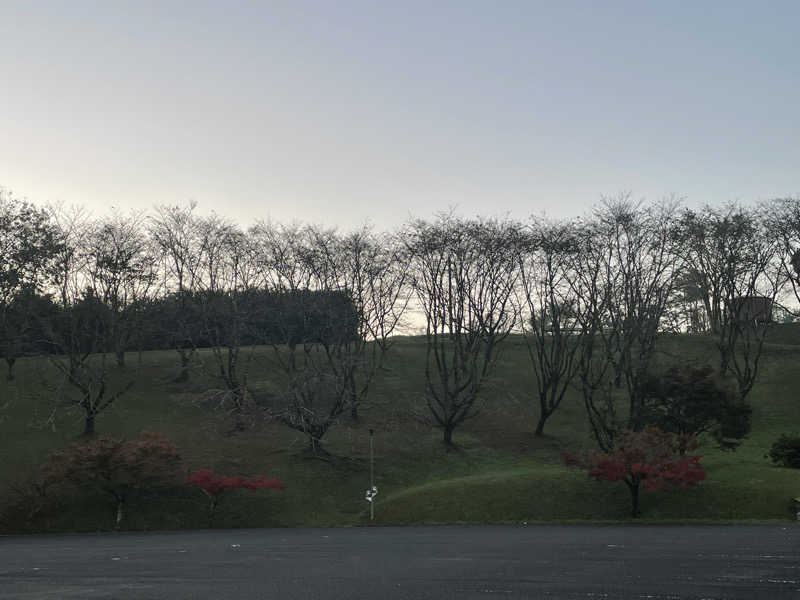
column 341, row 112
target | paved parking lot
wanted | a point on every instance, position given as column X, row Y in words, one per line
column 709, row 562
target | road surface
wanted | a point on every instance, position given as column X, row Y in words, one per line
column 587, row 562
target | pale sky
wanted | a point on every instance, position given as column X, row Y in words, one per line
column 341, row 112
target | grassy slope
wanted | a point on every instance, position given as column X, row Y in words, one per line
column 501, row 473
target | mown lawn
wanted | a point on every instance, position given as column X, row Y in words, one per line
column 500, row 473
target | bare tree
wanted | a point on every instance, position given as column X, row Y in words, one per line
column 463, row 274
column 704, row 275
column 176, row 232
column 121, row 270
column 292, row 268
column 623, row 273
column 77, row 335
column 592, row 282
column 783, row 217
column 644, row 248
column 337, row 299
column 224, row 276
column 737, row 260
column 547, row 307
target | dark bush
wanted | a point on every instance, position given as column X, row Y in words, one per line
column 691, row 400
column 785, row 452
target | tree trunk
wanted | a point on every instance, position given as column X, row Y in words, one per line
column 634, row 489
column 212, row 510
column 11, row 361
column 723, row 360
column 239, row 424
column 120, row 505
column 185, row 359
column 543, row 416
column 88, row 425
column 239, row 398
column 351, row 384
column 315, row 445
column 448, row 436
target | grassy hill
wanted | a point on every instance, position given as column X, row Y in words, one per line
column 500, row 472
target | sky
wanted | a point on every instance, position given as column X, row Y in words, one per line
column 342, row 112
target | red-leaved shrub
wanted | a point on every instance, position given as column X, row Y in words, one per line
column 651, row 458
column 214, row 486
column 115, row 467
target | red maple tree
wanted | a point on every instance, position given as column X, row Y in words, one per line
column 215, row 486
column 651, row 459
column 117, row 467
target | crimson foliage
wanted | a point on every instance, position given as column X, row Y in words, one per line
column 214, row 486
column 650, row 458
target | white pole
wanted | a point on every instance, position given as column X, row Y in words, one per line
column 371, row 473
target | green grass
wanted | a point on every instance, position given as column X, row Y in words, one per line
column 500, row 473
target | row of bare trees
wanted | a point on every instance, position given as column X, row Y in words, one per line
column 590, row 296
column 326, row 303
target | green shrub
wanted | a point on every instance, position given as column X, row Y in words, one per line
column 786, row 451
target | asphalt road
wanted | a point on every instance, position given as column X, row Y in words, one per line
column 708, row 562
